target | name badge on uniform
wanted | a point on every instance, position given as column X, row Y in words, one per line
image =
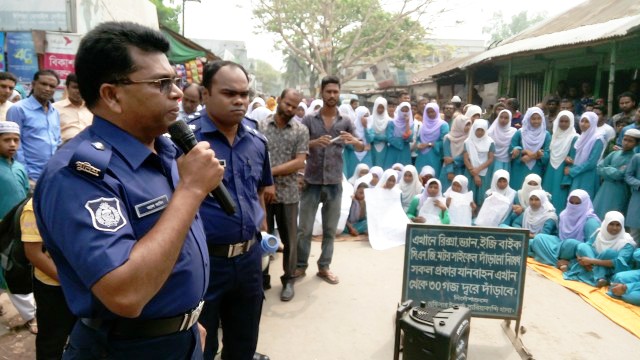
column 152, row 206
column 106, row 214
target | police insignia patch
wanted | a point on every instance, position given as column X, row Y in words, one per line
column 106, row 214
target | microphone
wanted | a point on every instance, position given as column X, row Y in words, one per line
column 184, row 138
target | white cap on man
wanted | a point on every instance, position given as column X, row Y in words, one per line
column 456, row 99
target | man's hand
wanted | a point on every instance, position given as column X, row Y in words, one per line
column 515, row 153
column 322, row 141
column 203, row 335
column 269, row 194
column 347, row 138
column 419, row 220
column 199, row 169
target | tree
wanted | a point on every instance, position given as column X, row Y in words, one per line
column 167, row 15
column 268, row 77
column 344, row 37
column 519, row 22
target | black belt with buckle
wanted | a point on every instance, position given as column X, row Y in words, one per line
column 230, row 251
column 122, row 328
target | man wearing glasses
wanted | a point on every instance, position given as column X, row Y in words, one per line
column 118, row 210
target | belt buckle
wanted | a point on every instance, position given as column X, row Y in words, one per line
column 191, row 317
column 235, row 250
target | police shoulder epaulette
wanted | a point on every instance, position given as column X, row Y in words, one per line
column 193, row 118
column 91, row 158
column 256, row 133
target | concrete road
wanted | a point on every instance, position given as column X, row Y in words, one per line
column 354, row 319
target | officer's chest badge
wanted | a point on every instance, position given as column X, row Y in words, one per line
column 106, row 214
column 87, row 167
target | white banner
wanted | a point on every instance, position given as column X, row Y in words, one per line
column 386, row 221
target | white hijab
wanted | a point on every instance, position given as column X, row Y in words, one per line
column 464, row 184
column 304, row 106
column 426, row 199
column 250, row 109
column 533, row 138
column 311, row 110
column 587, row 139
column 427, row 170
column 356, row 173
column 473, row 110
column 377, row 170
column 525, row 191
column 561, row 139
column 361, row 111
column 478, row 148
column 501, row 136
column 385, row 176
column 347, row 112
column 260, row 114
column 604, row 240
column 411, row 189
column 457, row 135
column 534, row 219
column 509, row 193
column 379, row 122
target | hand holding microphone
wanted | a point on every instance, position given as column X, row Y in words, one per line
column 184, row 138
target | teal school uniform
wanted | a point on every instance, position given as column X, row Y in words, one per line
column 398, row 149
column 614, row 193
column 519, row 170
column 433, row 158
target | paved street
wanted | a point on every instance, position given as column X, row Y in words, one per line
column 354, row 319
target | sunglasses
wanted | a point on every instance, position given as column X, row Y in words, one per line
column 164, row 84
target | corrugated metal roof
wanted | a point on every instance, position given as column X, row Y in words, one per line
column 591, row 21
column 441, row 67
column 583, row 34
column 587, row 13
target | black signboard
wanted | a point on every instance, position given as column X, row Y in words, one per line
column 482, row 269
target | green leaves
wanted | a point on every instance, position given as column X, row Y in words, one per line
column 344, row 37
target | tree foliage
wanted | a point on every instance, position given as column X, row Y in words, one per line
column 269, row 78
column 343, row 37
column 499, row 30
column 167, row 15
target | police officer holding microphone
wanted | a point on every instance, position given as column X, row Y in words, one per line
column 118, row 210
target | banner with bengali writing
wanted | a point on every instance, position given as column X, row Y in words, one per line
column 60, row 53
column 480, row 268
column 2, row 66
column 22, row 60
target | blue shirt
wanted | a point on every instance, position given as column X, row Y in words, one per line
column 39, row 134
column 247, row 169
column 90, row 223
column 14, row 184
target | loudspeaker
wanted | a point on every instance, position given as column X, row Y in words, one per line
column 432, row 334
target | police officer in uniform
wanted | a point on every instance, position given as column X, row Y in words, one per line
column 234, row 297
column 118, row 214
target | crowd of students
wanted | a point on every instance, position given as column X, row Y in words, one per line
column 469, row 171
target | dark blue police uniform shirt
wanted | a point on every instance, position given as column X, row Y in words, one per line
column 99, row 194
column 246, row 170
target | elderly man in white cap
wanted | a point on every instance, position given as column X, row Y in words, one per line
column 14, row 186
column 457, row 104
